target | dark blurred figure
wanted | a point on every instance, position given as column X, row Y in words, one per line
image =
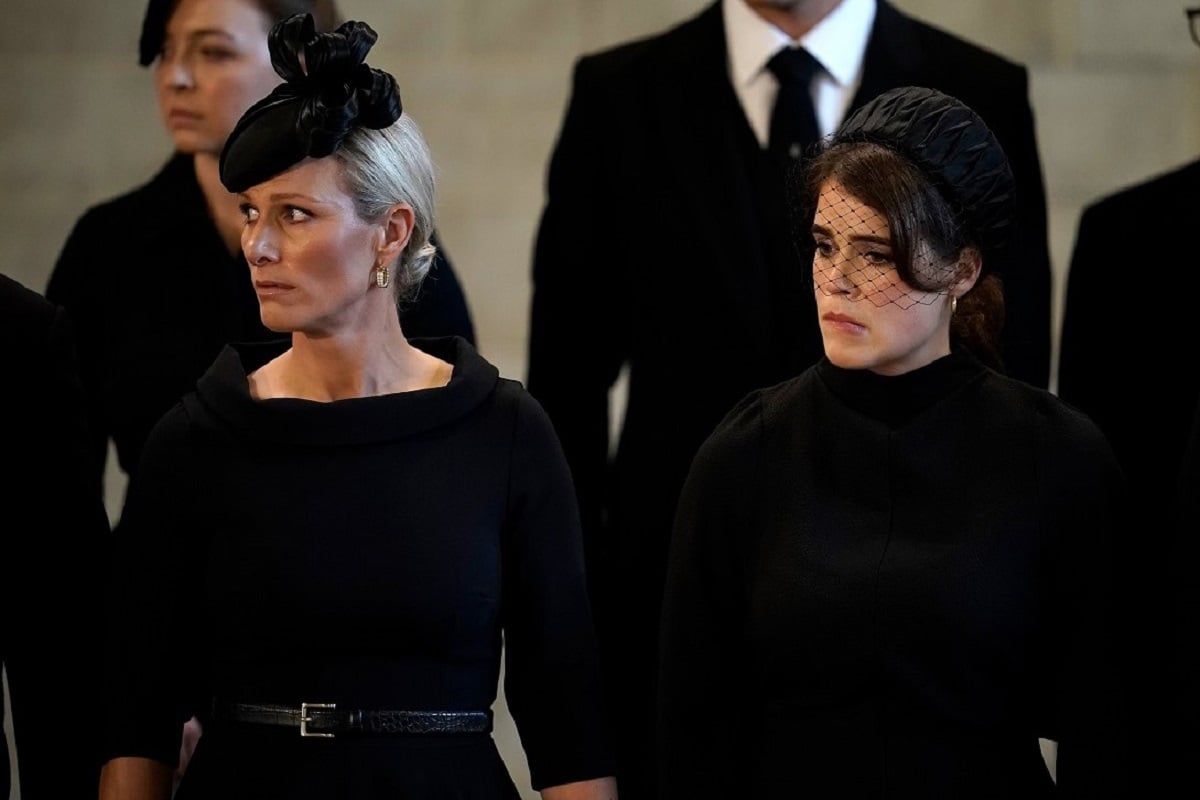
column 1118, row 244
column 664, row 250
column 54, row 546
column 1183, row 759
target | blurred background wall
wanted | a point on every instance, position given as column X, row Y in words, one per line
column 1115, row 87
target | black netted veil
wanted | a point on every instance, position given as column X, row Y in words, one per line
column 964, row 180
column 328, row 91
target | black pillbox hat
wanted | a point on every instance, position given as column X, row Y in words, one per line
column 950, row 143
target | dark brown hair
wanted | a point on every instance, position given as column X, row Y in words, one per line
column 918, row 213
column 154, row 24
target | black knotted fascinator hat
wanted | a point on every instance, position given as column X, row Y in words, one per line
column 328, row 92
column 951, row 144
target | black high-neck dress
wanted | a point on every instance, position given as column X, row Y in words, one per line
column 891, row 587
column 154, row 295
column 375, row 553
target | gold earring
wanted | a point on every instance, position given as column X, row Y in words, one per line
column 382, row 279
column 953, row 304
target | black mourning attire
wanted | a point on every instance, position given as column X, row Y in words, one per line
column 892, row 587
column 375, row 553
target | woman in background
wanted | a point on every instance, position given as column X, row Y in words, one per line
column 891, row 575
column 371, row 519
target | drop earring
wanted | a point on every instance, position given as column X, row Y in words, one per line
column 953, row 304
column 382, row 279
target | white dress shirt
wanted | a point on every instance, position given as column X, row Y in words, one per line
column 838, row 41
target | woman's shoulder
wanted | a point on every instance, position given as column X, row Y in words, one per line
column 1057, row 424
column 763, row 408
column 1027, row 398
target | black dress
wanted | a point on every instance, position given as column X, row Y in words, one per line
column 892, row 587
column 154, row 294
column 372, row 553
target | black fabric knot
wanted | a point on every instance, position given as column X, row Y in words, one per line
column 793, row 121
column 328, row 92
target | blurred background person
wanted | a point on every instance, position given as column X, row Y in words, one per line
column 54, row 546
column 701, row 297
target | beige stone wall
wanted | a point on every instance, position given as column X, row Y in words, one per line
column 1115, row 89
column 1115, row 86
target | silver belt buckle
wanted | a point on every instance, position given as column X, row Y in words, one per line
column 305, row 719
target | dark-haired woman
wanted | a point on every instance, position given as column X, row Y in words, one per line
column 890, row 575
column 369, row 517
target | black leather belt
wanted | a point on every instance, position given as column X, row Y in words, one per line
column 326, row 720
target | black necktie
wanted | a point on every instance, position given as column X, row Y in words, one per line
column 793, row 121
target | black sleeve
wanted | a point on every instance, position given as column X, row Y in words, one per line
column 1094, row 698
column 703, row 614
column 551, row 667
column 149, row 681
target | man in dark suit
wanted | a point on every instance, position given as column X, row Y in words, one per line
column 53, row 543
column 665, row 250
column 1127, row 359
column 1119, row 245
column 1182, row 697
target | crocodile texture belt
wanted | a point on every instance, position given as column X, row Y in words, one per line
column 326, row 720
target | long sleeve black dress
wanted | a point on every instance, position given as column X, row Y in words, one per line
column 892, row 587
column 372, row 553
